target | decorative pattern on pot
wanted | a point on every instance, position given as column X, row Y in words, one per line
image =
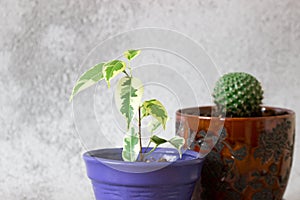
column 252, row 159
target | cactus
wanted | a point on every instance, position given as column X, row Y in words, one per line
column 238, row 94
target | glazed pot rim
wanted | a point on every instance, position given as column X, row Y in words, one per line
column 287, row 113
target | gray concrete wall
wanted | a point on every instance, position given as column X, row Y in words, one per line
column 43, row 43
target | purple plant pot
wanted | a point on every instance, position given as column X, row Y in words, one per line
column 114, row 179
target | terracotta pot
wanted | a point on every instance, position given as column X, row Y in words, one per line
column 252, row 158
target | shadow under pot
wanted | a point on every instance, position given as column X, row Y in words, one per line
column 252, row 158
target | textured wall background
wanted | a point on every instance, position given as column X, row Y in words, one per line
column 42, row 44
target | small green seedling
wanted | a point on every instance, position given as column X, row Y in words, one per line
column 128, row 98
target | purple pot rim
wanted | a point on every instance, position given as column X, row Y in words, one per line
column 111, row 162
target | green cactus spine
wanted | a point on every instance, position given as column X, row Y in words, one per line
column 238, row 94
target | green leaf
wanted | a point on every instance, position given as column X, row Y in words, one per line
column 112, row 69
column 178, row 143
column 131, row 54
column 87, row 79
column 128, row 95
column 157, row 140
column 130, row 150
column 155, row 109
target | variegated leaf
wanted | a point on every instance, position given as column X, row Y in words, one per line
column 178, row 143
column 130, row 150
column 87, row 79
column 112, row 69
column 155, row 109
column 128, row 95
column 153, row 125
column 131, row 54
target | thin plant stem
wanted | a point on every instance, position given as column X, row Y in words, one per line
column 129, row 67
column 147, row 147
column 140, row 134
column 153, row 149
column 126, row 73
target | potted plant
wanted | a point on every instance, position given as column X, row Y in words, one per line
column 134, row 171
column 254, row 153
